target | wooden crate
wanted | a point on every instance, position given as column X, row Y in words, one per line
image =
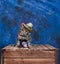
column 37, row 54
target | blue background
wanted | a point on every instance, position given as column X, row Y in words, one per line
column 44, row 14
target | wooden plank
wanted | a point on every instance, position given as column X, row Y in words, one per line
column 50, row 47
column 30, row 54
column 42, row 56
column 40, row 47
column 44, row 47
column 36, row 47
column 10, row 48
column 29, row 61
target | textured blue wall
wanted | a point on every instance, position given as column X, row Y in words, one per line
column 44, row 14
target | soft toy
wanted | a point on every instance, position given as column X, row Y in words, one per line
column 24, row 35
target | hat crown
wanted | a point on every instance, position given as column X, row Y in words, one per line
column 29, row 25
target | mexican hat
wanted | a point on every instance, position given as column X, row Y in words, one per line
column 28, row 26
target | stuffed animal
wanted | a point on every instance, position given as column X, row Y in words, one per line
column 24, row 35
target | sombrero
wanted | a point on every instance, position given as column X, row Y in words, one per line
column 28, row 26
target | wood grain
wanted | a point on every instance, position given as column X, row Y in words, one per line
column 37, row 54
column 29, row 61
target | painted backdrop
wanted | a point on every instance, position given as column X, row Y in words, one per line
column 44, row 14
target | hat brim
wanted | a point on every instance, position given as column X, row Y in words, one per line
column 29, row 29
